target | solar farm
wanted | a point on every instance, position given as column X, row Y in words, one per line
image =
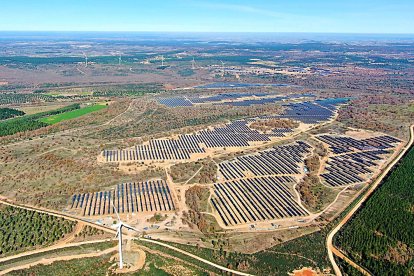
column 260, row 187
column 256, row 199
column 236, row 134
column 354, row 161
column 127, row 198
column 233, row 99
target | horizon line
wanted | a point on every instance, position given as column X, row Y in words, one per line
column 200, row 32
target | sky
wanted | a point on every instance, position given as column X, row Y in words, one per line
column 321, row 16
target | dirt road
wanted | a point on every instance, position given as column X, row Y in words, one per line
column 329, row 241
column 63, row 258
column 107, row 229
column 57, row 214
column 197, row 258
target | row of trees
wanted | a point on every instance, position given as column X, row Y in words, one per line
column 21, row 229
column 14, row 98
column 381, row 236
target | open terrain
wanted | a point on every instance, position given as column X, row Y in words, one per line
column 242, row 160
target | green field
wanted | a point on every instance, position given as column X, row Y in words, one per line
column 72, row 114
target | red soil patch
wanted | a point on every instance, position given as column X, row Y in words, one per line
column 304, row 272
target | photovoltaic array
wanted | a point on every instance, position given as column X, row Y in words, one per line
column 259, row 187
column 235, row 134
column 150, row 196
column 233, row 99
column 353, row 160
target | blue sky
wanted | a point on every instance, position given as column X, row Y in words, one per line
column 338, row 16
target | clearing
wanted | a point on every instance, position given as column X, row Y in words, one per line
column 72, row 114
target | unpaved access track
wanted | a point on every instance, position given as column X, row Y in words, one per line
column 332, row 250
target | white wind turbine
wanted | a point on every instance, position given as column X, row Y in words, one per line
column 120, row 59
column 162, row 60
column 222, row 67
column 86, row 59
column 119, row 226
column 193, row 64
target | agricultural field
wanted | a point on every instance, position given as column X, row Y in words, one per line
column 23, row 230
column 31, row 122
column 71, row 114
column 379, row 236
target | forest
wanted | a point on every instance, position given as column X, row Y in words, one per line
column 380, row 237
column 30, row 122
column 7, row 113
column 21, row 229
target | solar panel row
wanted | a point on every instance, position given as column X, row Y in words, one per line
column 343, row 144
column 134, row 197
column 229, row 99
column 354, row 159
column 278, row 160
column 255, row 199
column 234, row 134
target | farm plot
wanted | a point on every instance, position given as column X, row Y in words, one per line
column 259, row 187
column 72, row 114
column 353, row 161
column 150, row 196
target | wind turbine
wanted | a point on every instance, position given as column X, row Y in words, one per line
column 222, row 66
column 119, row 226
column 86, row 59
column 162, row 60
column 120, row 59
column 193, row 64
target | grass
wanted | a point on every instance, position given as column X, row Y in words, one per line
column 72, row 114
